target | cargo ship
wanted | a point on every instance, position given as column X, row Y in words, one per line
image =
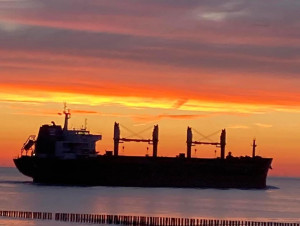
column 69, row 157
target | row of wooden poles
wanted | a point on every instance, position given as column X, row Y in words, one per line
column 26, row 214
column 133, row 220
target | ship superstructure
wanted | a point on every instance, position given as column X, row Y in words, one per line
column 53, row 141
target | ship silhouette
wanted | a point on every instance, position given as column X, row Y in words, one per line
column 63, row 156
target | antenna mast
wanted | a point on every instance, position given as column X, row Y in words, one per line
column 85, row 124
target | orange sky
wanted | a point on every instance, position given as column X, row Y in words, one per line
column 209, row 65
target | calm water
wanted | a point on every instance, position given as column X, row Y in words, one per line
column 280, row 202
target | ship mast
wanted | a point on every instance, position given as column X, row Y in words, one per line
column 67, row 116
column 254, row 145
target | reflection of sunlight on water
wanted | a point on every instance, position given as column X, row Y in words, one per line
column 279, row 202
column 12, row 222
column 17, row 222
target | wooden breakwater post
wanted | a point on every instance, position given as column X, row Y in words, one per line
column 158, row 221
column 134, row 220
column 26, row 214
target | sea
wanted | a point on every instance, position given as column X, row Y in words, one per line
column 279, row 202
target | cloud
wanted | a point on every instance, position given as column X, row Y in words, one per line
column 262, row 125
column 147, row 118
column 238, row 127
column 155, row 50
column 233, row 51
column 84, row 112
column 27, row 102
column 9, row 27
column 179, row 103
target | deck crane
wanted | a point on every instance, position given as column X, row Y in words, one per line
column 191, row 143
column 118, row 139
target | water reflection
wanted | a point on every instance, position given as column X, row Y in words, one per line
column 18, row 193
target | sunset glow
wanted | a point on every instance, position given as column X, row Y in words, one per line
column 208, row 65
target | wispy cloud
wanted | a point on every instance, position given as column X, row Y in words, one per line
column 263, row 125
column 179, row 103
column 84, row 112
column 26, row 102
column 163, row 116
column 238, row 127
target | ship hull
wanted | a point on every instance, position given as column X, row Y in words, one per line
column 148, row 171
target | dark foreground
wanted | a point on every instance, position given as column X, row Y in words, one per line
column 148, row 172
column 134, row 220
